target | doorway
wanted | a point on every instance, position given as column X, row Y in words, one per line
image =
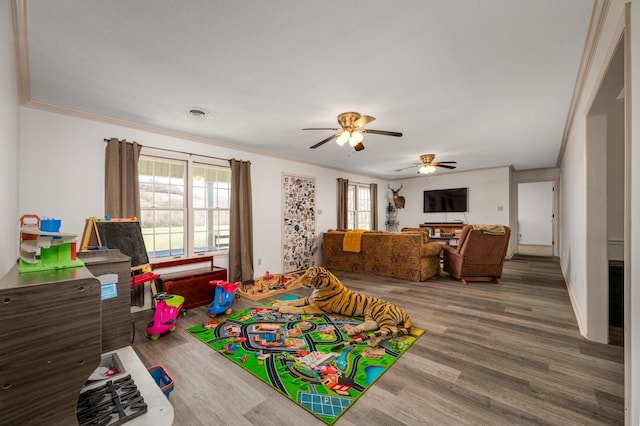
column 605, row 205
column 535, row 218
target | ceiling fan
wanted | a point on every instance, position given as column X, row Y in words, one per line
column 428, row 165
column 351, row 130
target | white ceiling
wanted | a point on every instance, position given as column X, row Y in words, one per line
column 481, row 82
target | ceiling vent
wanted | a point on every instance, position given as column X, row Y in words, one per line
column 197, row 112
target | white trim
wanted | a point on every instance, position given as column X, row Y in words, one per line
column 615, row 249
column 580, row 318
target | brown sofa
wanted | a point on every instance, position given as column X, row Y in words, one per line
column 479, row 255
column 404, row 255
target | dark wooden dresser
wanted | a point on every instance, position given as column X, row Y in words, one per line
column 113, row 270
column 50, row 338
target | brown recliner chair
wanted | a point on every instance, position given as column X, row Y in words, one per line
column 479, row 255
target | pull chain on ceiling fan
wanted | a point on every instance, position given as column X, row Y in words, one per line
column 351, row 130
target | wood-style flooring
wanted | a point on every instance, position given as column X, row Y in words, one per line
column 507, row 354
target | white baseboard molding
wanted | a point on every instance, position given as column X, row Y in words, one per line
column 580, row 318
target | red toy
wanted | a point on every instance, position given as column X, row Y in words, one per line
column 168, row 307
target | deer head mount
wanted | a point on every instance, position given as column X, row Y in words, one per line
column 398, row 200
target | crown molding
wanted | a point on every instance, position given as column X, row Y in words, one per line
column 179, row 135
column 598, row 18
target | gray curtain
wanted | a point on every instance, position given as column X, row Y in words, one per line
column 241, row 223
column 121, row 189
column 374, row 206
column 343, row 193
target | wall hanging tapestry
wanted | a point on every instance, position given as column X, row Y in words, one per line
column 299, row 222
column 304, row 357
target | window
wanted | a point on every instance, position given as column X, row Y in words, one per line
column 359, row 207
column 184, row 205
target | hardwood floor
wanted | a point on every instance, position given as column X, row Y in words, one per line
column 491, row 355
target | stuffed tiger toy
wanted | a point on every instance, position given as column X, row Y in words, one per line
column 331, row 296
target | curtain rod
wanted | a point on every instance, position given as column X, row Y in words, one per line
column 359, row 183
column 178, row 152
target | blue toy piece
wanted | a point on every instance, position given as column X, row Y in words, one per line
column 168, row 306
column 222, row 297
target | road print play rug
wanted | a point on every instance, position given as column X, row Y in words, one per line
column 303, row 356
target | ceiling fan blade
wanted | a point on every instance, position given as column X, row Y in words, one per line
column 322, row 142
column 322, row 128
column 381, row 132
column 364, row 119
column 445, row 166
column 359, row 146
column 447, row 162
column 405, row 168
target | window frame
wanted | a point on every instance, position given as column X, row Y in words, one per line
column 191, row 161
column 352, row 214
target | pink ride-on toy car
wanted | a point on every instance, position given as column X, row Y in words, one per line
column 222, row 297
column 168, row 307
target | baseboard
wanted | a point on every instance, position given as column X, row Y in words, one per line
column 580, row 318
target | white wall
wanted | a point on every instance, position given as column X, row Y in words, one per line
column 615, row 182
column 9, row 137
column 62, row 176
column 489, row 197
column 573, row 200
column 267, row 212
column 573, row 175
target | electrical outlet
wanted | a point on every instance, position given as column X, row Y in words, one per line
column 259, row 261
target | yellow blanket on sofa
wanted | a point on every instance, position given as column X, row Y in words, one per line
column 352, row 240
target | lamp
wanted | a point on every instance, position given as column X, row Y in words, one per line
column 355, row 139
column 425, row 169
column 343, row 138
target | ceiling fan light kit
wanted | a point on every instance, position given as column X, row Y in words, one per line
column 427, row 164
column 355, row 139
column 343, row 138
column 351, row 130
column 426, row 169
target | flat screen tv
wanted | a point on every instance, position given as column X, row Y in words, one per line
column 445, row 200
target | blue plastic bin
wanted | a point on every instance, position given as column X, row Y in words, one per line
column 50, row 225
column 162, row 378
